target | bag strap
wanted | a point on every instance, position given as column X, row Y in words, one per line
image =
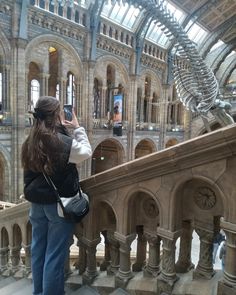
column 51, row 183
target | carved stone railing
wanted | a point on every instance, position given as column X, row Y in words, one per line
column 154, row 200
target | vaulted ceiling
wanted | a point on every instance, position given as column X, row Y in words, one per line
column 215, row 14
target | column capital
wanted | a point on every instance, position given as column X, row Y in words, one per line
column 90, row 243
column 127, row 240
column 165, row 233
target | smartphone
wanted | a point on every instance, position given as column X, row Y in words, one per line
column 68, row 112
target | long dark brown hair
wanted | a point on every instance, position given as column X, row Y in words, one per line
column 41, row 148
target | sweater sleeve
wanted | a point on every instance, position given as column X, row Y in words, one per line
column 81, row 148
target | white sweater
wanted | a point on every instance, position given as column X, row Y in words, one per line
column 81, row 148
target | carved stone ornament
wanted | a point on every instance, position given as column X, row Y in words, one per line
column 150, row 208
column 205, row 198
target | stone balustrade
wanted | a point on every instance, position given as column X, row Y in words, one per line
column 154, row 200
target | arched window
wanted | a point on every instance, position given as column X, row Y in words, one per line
column 58, row 92
column 51, row 7
column 68, row 13
column 53, row 70
column 77, row 16
column 42, row 4
column 70, row 89
column 34, row 92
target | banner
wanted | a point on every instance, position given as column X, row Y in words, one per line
column 117, row 111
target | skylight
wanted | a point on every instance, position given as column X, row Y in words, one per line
column 125, row 15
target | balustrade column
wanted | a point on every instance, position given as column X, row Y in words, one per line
column 91, row 269
column 67, row 268
column 141, row 250
column 204, row 268
column 227, row 285
column 184, row 263
column 115, row 254
column 15, row 258
column 124, row 274
column 81, row 263
column 152, row 268
column 107, row 255
column 4, row 256
column 167, row 277
column 27, row 249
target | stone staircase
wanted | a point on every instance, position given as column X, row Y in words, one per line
column 104, row 285
column 23, row 286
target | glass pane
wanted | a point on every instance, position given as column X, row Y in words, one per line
column 35, row 89
column 131, row 17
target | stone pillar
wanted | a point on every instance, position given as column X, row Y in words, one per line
column 227, row 285
column 62, row 92
column 163, row 115
column 67, row 268
column 141, row 250
column 115, row 254
column 82, row 261
column 4, row 256
column 27, row 249
column 204, row 268
column 15, row 258
column 131, row 116
column 91, row 269
column 184, row 263
column 152, row 268
column 167, row 277
column 124, row 274
column 107, row 256
column 44, row 84
column 18, row 93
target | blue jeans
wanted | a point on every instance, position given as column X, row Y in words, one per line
column 49, row 249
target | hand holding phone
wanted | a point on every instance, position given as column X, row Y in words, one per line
column 68, row 112
column 69, row 119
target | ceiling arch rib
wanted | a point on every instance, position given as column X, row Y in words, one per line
column 221, row 57
column 226, row 69
column 217, row 34
column 195, row 15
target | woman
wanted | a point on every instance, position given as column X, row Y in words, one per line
column 51, row 150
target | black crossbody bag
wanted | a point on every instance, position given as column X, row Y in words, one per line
column 73, row 209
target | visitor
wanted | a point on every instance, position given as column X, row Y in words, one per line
column 222, row 255
column 216, row 243
column 50, row 149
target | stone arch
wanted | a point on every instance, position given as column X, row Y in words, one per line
column 171, row 142
column 115, row 62
column 17, row 235
column 58, row 43
column 144, row 147
column 153, row 76
column 4, row 238
column 106, row 150
column 108, row 217
column 5, row 180
column 201, row 195
column 143, row 209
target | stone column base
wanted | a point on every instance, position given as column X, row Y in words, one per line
column 164, row 286
column 88, row 279
column 122, row 281
column 201, row 274
column 149, row 272
column 224, row 289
